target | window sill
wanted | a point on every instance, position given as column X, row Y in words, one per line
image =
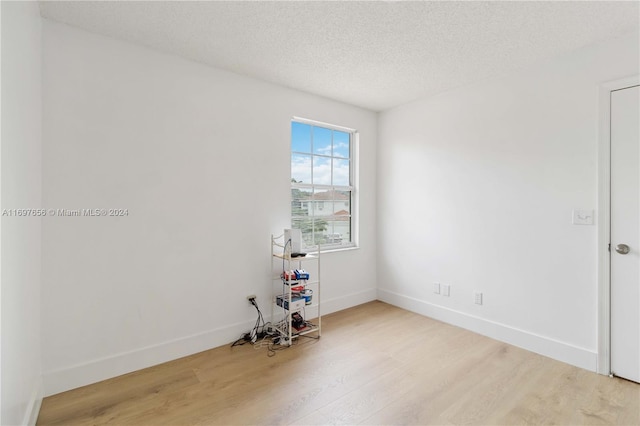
column 339, row 249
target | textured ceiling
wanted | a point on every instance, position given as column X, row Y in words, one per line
column 372, row 54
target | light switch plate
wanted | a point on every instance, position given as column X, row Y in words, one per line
column 582, row 217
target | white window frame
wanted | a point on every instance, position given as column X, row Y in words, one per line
column 352, row 187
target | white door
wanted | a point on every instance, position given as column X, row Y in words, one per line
column 625, row 233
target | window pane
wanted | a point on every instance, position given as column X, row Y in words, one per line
column 305, row 225
column 342, row 203
column 340, row 172
column 340, row 144
column 321, row 171
column 312, row 230
column 320, row 227
column 321, row 141
column 301, row 168
column 337, row 231
column 300, row 137
column 322, row 203
column 301, row 204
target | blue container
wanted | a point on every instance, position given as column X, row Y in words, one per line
column 307, row 294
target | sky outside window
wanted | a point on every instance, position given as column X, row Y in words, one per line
column 322, row 144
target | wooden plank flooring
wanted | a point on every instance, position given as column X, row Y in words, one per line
column 375, row 364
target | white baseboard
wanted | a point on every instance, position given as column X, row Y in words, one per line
column 112, row 366
column 116, row 365
column 580, row 357
column 33, row 408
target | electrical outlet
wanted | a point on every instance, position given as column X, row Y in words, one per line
column 478, row 298
column 251, row 297
column 446, row 290
column 582, row 217
column 436, row 288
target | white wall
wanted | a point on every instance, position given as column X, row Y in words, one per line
column 200, row 158
column 21, row 188
column 476, row 189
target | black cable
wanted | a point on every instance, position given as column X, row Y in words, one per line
column 257, row 329
column 241, row 341
column 260, row 324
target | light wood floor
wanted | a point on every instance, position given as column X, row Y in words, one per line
column 375, row 364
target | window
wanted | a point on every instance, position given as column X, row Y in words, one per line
column 322, row 183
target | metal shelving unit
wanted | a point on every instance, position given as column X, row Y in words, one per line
column 284, row 286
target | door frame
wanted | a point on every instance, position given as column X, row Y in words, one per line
column 604, row 220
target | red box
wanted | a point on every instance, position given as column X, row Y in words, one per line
column 288, row 275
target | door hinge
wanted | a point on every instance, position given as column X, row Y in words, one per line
column 609, row 248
